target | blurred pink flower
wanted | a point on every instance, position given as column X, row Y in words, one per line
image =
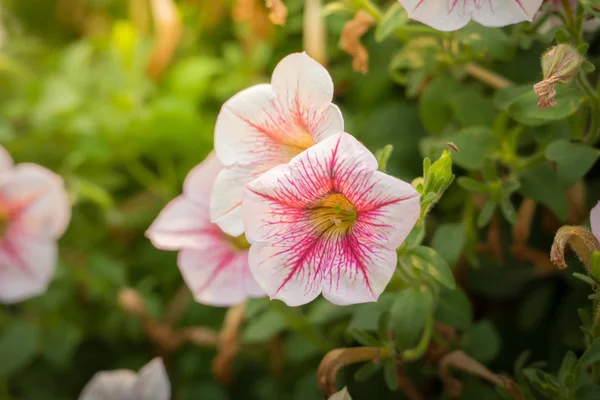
column 449, row 15
column 595, row 220
column 151, row 383
column 327, row 222
column 265, row 126
column 214, row 265
column 34, row 212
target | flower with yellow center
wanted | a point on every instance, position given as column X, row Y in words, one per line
column 328, row 222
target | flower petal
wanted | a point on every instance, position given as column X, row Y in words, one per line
column 496, row 13
column 199, row 182
column 302, row 83
column 26, row 266
column 218, row 277
column 388, row 208
column 443, row 15
column 110, row 385
column 181, row 224
column 226, row 199
column 152, row 382
column 595, row 220
column 37, row 200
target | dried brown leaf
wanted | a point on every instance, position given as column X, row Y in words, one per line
column 350, row 41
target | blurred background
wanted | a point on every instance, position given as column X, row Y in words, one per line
column 120, row 97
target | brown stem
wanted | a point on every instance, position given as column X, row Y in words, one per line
column 486, row 76
column 168, row 30
column 228, row 343
column 406, row 384
column 178, row 305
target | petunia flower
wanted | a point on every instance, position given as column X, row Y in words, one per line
column 213, row 264
column 450, row 15
column 265, row 126
column 34, row 212
column 151, row 383
column 328, row 222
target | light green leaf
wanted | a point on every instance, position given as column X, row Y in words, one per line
column 475, row 145
column 409, row 314
column 429, row 261
column 393, row 18
column 573, row 160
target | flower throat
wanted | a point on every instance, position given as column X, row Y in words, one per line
column 333, row 214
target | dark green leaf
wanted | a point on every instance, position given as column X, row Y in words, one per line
column 434, row 106
column 486, row 213
column 428, row 260
column 475, row 145
column 541, row 183
column 572, row 160
column 454, row 308
column 389, row 374
column 591, row 355
column 482, row 342
column 472, row 185
column 448, row 241
column 19, row 344
column 409, row 314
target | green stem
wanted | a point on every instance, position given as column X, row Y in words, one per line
column 299, row 323
column 371, row 8
column 417, row 352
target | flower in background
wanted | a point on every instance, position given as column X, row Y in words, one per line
column 213, row 264
column 327, row 222
column 151, row 383
column 449, row 15
column 34, row 212
column 265, row 126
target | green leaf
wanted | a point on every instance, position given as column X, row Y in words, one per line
column 591, row 355
column 454, row 308
column 389, row 374
column 573, row 160
column 521, row 104
column 428, row 260
column 393, row 18
column 475, row 145
column 264, row 327
column 508, row 210
column 541, row 183
column 482, row 341
column 322, row 311
column 383, row 156
column 409, row 313
column 543, row 382
column 535, row 307
column 569, row 370
column 448, row 241
column 486, row 213
column 60, row 343
column 19, row 345
column 487, row 41
column 587, row 392
column 363, row 337
column 366, row 371
column 464, row 102
column 473, row 185
column 434, row 105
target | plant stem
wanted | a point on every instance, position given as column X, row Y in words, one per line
column 298, row 322
column 418, row 351
column 486, row 76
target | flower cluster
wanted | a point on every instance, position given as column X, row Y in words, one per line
column 317, row 214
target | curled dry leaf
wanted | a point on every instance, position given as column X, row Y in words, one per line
column 339, row 358
column 168, row 30
column 350, row 40
column 277, row 11
column 581, row 241
column 460, row 360
column 228, row 342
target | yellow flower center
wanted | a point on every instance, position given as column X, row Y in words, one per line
column 239, row 243
column 333, row 214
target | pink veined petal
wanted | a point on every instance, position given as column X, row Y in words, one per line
column 37, row 200
column 218, row 276
column 595, row 220
column 327, row 123
column 443, row 15
column 302, row 83
column 226, row 199
column 199, row 182
column 254, row 128
column 360, row 273
column 110, row 385
column 387, row 207
column 279, row 196
column 182, row 224
column 495, row 13
column 26, row 266
column 152, row 382
column 6, row 162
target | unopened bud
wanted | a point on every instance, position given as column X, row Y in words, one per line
column 559, row 65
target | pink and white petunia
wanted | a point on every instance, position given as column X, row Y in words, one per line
column 34, row 212
column 151, row 383
column 213, row 264
column 595, row 220
column 328, row 222
column 265, row 126
column 450, row 15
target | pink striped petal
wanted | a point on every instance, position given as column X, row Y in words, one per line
column 199, row 181
column 218, row 276
column 595, row 220
column 449, row 15
column 36, row 200
column 266, row 125
column 26, row 266
column 293, row 258
column 152, row 382
column 182, row 224
column 110, row 385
